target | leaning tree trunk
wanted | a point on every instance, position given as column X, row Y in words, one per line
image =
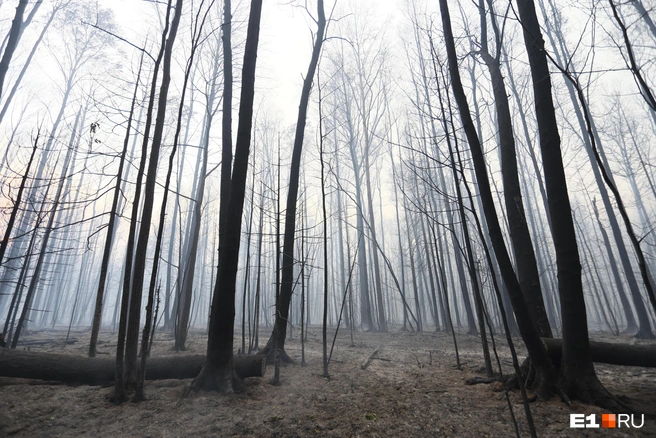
column 14, row 36
column 18, row 290
column 46, row 237
column 644, row 14
column 643, row 328
column 113, row 213
column 141, row 250
column 184, row 298
column 119, row 391
column 545, row 371
column 287, row 282
column 23, row 226
column 148, row 325
column 471, row 264
column 520, row 238
column 28, row 61
column 17, row 202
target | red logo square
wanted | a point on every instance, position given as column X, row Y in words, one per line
column 608, row 421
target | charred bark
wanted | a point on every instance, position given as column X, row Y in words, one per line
column 14, row 36
column 610, row 353
column 544, row 368
column 100, row 371
column 218, row 371
column 287, row 281
column 578, row 377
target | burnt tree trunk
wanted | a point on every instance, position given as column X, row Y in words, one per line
column 14, row 36
column 545, row 372
column 111, row 227
column 578, row 377
column 520, row 238
column 218, row 371
column 100, row 371
column 287, row 281
column 611, row 353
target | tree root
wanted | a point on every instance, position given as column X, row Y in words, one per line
column 271, row 357
column 591, row 391
column 586, row 390
column 222, row 380
column 485, row 380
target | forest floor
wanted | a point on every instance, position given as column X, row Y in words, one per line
column 410, row 388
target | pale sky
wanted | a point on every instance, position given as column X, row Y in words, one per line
column 285, row 42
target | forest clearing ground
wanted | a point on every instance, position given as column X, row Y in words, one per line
column 411, row 388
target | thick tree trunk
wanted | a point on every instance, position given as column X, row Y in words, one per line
column 578, row 376
column 644, row 14
column 527, row 269
column 643, row 328
column 226, row 121
column 546, row 377
column 100, row 371
column 611, row 353
column 218, row 372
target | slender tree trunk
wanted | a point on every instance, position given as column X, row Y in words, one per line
column 325, row 237
column 188, row 268
column 287, row 282
column 258, row 277
column 473, row 274
column 17, row 202
column 12, row 42
column 303, row 328
column 111, row 228
column 398, row 233
column 18, row 291
column 382, row 321
column 119, row 391
column 340, row 236
column 141, row 249
column 196, row 36
column 248, row 268
column 28, row 61
column 36, row 275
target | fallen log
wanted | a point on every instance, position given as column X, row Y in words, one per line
column 367, row 361
column 100, row 371
column 610, row 353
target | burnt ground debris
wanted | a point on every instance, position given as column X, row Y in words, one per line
column 411, row 387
